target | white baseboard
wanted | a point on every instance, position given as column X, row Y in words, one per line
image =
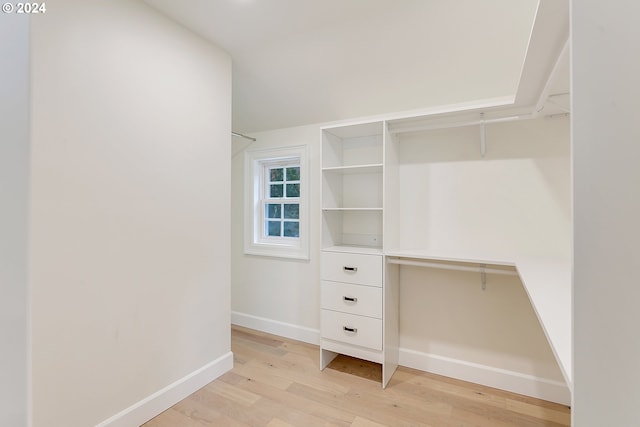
column 516, row 382
column 142, row 411
column 287, row 330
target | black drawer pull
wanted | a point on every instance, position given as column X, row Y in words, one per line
column 348, row 329
column 350, row 269
column 350, row 299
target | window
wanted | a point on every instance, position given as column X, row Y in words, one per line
column 276, row 216
column 281, row 199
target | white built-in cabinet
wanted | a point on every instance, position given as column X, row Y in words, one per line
column 354, row 304
column 352, row 193
column 378, row 179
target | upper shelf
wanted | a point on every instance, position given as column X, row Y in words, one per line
column 543, row 88
column 352, row 146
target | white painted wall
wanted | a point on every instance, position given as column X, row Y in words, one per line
column 515, row 201
column 284, row 291
column 14, row 173
column 606, row 149
column 447, row 314
column 519, row 193
column 129, row 224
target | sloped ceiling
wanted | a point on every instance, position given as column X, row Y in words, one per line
column 298, row 62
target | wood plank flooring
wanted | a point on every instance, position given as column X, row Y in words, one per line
column 276, row 382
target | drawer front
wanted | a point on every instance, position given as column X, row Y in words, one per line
column 351, row 268
column 352, row 299
column 351, row 329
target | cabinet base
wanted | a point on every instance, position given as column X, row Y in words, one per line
column 330, row 349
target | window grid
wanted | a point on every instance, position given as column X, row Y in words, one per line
column 281, row 201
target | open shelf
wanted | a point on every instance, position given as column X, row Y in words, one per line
column 352, row 146
column 355, row 249
column 354, row 169
column 352, row 227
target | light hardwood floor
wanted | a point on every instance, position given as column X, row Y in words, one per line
column 276, row 382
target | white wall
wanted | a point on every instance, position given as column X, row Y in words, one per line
column 446, row 314
column 129, row 245
column 14, row 172
column 606, row 101
column 526, row 174
column 514, row 201
column 284, row 291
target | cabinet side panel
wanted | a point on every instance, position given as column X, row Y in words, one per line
column 391, row 192
column 391, row 324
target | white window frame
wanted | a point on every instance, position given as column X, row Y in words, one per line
column 255, row 240
column 266, row 199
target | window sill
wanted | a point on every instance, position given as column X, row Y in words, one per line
column 277, row 251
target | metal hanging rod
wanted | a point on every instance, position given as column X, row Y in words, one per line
column 243, row 136
column 429, row 264
column 448, row 125
column 482, row 268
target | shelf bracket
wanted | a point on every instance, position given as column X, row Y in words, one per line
column 483, row 139
column 483, row 276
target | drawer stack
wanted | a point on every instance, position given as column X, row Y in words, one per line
column 351, row 301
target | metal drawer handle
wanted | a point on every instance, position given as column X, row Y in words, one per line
column 350, row 269
column 349, row 329
column 350, row 299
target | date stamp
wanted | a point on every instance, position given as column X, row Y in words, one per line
column 24, row 8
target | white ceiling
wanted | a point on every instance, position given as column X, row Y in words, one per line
column 299, row 62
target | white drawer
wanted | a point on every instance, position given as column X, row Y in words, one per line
column 351, row 329
column 350, row 298
column 351, row 268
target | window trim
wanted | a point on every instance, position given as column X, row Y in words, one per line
column 254, row 242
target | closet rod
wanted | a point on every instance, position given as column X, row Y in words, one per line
column 419, row 128
column 450, row 266
column 243, row 136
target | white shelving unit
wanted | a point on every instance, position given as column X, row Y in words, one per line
column 352, row 286
column 352, row 186
column 447, row 196
column 487, row 222
column 369, row 230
